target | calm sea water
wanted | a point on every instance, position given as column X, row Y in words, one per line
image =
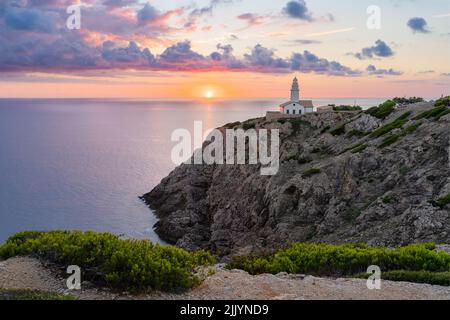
column 81, row 164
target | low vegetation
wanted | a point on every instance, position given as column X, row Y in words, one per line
column 388, row 140
column 441, row 202
column 444, row 101
column 356, row 133
column 383, row 110
column 397, row 123
column 347, row 108
column 417, row 262
column 106, row 259
column 435, row 113
column 340, row 130
column 360, row 148
column 409, row 100
column 13, row 294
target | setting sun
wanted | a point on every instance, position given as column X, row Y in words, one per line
column 209, row 94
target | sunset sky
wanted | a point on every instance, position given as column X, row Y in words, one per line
column 224, row 48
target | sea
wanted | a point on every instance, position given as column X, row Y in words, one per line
column 81, row 164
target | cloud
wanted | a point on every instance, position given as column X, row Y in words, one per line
column 251, row 19
column 308, row 62
column 380, row 49
column 131, row 54
column 207, row 10
column 307, row 41
column 418, row 25
column 298, row 10
column 372, row 70
column 446, row 74
column 33, row 38
column 28, row 19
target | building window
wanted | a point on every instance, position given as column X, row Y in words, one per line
column 293, row 111
column 287, row 111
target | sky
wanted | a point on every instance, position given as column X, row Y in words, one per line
column 218, row 49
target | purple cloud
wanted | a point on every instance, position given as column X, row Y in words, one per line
column 418, row 25
column 372, row 70
column 380, row 50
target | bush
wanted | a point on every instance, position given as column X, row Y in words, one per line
column 311, row 172
column 360, row 148
column 445, row 101
column 441, row 202
column 340, row 130
column 383, row 110
column 347, row 108
column 298, row 123
column 435, row 113
column 104, row 258
column 397, row 123
column 387, row 141
column 344, row 260
column 356, row 133
column 409, row 100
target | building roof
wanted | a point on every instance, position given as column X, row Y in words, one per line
column 304, row 103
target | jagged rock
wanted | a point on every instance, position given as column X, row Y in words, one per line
column 380, row 196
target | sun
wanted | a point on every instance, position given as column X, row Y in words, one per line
column 209, row 94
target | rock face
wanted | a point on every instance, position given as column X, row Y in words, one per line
column 363, row 192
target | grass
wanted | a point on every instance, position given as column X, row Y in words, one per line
column 13, row 294
column 349, row 260
column 136, row 265
column 297, row 124
column 311, row 172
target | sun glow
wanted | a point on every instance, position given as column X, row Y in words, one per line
column 209, row 94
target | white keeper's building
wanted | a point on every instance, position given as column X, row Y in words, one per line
column 296, row 106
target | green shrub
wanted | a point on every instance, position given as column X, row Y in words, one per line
column 435, row 113
column 311, row 172
column 341, row 260
column 441, row 202
column 445, row 101
column 360, row 148
column 409, row 100
column 106, row 259
column 410, row 129
column 356, row 133
column 397, row 123
column 298, row 123
column 340, row 130
column 388, row 199
column 347, row 108
column 388, row 140
column 14, row 294
column 383, row 110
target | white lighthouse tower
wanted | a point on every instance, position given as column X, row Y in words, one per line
column 295, row 91
column 295, row 106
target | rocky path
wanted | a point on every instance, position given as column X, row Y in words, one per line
column 30, row 273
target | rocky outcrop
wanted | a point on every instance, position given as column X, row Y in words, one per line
column 364, row 191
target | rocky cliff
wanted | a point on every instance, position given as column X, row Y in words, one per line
column 343, row 177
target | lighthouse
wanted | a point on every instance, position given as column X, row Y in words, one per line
column 295, row 106
column 295, row 91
